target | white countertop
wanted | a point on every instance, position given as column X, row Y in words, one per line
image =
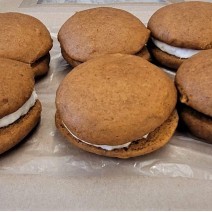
column 105, row 193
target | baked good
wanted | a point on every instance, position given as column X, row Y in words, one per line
column 144, row 53
column 179, row 31
column 193, row 80
column 24, row 38
column 19, row 107
column 99, row 31
column 117, row 105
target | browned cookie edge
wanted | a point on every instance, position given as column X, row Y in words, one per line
column 14, row 133
column 197, row 123
column 41, row 66
column 164, row 58
column 155, row 140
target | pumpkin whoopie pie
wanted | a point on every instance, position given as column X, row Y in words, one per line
column 194, row 83
column 19, row 107
column 99, row 31
column 25, row 39
column 179, row 31
column 117, row 105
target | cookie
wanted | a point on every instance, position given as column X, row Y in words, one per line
column 95, row 32
column 155, row 140
column 180, row 30
column 19, row 107
column 193, row 80
column 25, row 39
column 111, row 101
column 41, row 66
column 197, row 123
column 144, row 53
column 167, row 60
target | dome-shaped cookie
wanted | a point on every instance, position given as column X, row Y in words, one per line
column 179, row 31
column 16, row 83
column 185, row 24
column 98, row 31
column 19, row 107
column 26, row 39
column 23, row 37
column 194, row 82
column 115, row 99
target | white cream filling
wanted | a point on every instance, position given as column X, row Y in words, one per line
column 11, row 118
column 176, row 51
column 106, row 147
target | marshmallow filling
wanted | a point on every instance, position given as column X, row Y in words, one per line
column 176, row 51
column 105, row 147
column 11, row 118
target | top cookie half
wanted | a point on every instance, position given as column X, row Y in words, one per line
column 194, row 82
column 94, row 32
column 185, row 25
column 115, row 99
column 23, row 37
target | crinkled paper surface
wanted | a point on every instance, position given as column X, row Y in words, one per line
column 46, row 152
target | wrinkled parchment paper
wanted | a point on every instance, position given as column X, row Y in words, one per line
column 46, row 152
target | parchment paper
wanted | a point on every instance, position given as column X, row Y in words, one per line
column 46, row 152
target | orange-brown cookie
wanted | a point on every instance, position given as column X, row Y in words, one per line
column 70, row 61
column 41, row 66
column 183, row 29
column 144, row 53
column 16, row 132
column 114, row 100
column 19, row 108
column 164, row 58
column 197, row 123
column 193, row 80
column 99, row 31
column 155, row 140
column 24, row 38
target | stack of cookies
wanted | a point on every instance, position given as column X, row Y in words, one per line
column 96, row 32
column 194, row 83
column 20, row 109
column 114, row 102
column 24, row 38
column 181, row 39
column 24, row 54
column 178, row 31
column 120, row 105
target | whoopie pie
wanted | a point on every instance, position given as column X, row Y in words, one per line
column 98, row 31
column 117, row 106
column 194, row 83
column 25, row 39
column 20, row 108
column 180, row 30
